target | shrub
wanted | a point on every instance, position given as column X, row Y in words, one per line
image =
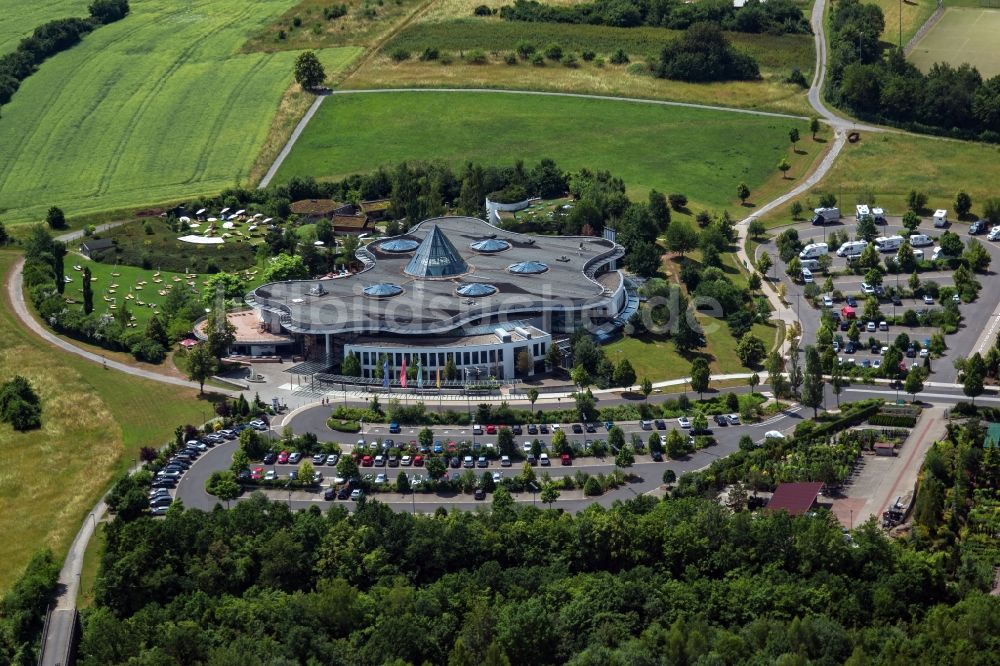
column 554, row 52
column 893, row 421
column 399, row 55
column 588, row 55
column 510, row 59
column 570, row 61
column 149, row 351
column 677, row 201
column 524, row 49
column 537, row 60
column 599, row 62
column 592, row 487
column 798, row 78
column 335, row 12
column 619, row 57
column 482, row 10
column 297, row 21
column 430, row 53
column 476, row 57
column 445, row 59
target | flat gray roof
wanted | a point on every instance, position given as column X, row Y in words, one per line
column 430, row 305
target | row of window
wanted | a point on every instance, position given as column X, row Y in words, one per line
column 439, row 359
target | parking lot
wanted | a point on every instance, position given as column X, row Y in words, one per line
column 978, row 318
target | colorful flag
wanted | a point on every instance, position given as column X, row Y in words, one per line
column 402, row 374
column 385, row 372
column 420, row 375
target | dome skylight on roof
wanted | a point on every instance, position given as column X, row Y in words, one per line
column 399, row 245
column 476, row 290
column 490, row 245
column 383, row 290
column 527, row 268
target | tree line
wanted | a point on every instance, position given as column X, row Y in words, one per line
column 775, row 17
column 644, row 582
column 51, row 38
column 880, row 84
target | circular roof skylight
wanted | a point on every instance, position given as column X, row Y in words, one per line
column 476, row 290
column 398, row 245
column 528, row 268
column 490, row 245
column 383, row 290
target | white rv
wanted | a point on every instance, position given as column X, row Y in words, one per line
column 863, row 210
column 814, row 250
column 920, row 240
column 888, row 243
column 879, row 215
column 940, row 218
column 825, row 215
column 852, row 248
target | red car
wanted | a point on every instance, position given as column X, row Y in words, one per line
column 418, row 461
column 257, row 473
column 283, row 457
column 566, row 460
column 452, row 446
column 367, row 461
column 491, row 430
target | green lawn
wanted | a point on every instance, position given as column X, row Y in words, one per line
column 93, row 423
column 703, row 154
column 964, row 34
column 890, row 165
column 914, row 14
column 155, row 107
column 21, row 17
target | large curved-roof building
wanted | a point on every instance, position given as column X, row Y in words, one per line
column 451, row 287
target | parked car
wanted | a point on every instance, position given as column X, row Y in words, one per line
column 532, row 429
column 773, row 434
column 853, row 302
column 928, row 299
column 380, row 461
column 734, row 419
column 270, row 475
column 577, row 429
column 660, row 424
column 455, row 462
column 257, row 473
column 480, row 494
column 294, row 458
column 283, row 457
column 406, row 461
column 565, row 459
column 720, row 419
column 330, row 493
column 828, row 301
column 418, row 461
column 977, row 227
column 656, row 456
column 516, row 429
column 481, row 461
column 544, row 429
column 491, row 430
column 505, row 461
column 468, row 462
column 319, row 459
column 646, row 425
column 544, row 460
column 870, row 327
column 357, row 494
column 332, row 459
column 367, row 461
column 590, row 427
column 684, row 422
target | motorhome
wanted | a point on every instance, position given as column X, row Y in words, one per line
column 879, row 216
column 852, row 248
column 920, row 240
column 940, row 218
column 814, row 250
column 811, row 264
column 825, row 215
column 888, row 243
column 863, row 210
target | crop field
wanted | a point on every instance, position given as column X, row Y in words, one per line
column 93, row 423
column 152, row 108
column 20, row 17
column 455, row 38
column 962, row 35
column 882, row 169
column 649, row 146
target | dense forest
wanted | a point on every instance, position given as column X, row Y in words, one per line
column 774, row 16
column 680, row 581
column 881, row 85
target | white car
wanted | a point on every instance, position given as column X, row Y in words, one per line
column 883, row 326
column 773, row 434
column 867, row 288
column 877, row 363
column 381, row 479
column 526, row 446
column 884, row 350
column 928, row 299
column 684, row 422
column 924, row 353
column 870, row 327
column 994, row 234
column 956, row 298
column 828, row 301
column 406, row 461
column 497, row 477
column 936, row 254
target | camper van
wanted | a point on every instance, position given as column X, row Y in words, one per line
column 888, row 243
column 811, row 264
column 940, row 218
column 863, row 210
column 852, row 248
column 920, row 240
column 825, row 215
column 879, row 216
column 814, row 250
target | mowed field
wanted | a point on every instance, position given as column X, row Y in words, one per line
column 890, row 165
column 18, row 18
column 157, row 106
column 93, row 423
column 702, row 153
column 450, row 27
column 963, row 34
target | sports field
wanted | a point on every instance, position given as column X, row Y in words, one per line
column 20, row 17
column 157, row 106
column 702, row 153
column 963, row 34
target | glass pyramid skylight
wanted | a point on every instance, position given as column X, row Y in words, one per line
column 436, row 257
